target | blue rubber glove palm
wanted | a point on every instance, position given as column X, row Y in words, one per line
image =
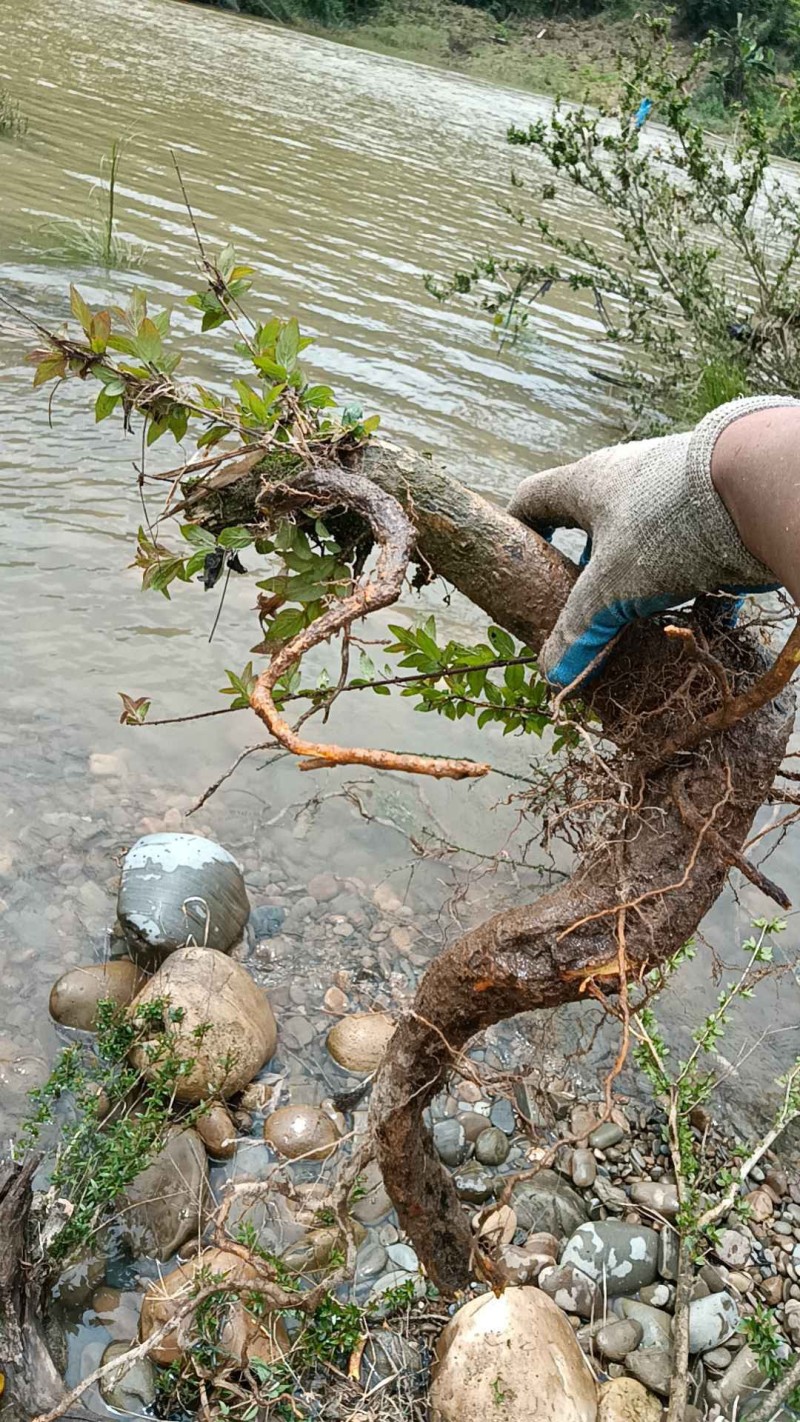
column 659, row 535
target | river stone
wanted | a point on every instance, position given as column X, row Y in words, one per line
column 301, row 1131
column 572, row 1291
column 499, row 1228
column 605, row 1136
column 733, row 1248
column 449, row 1138
column 227, row 1029
column 584, row 1169
column 165, row 1204
column 370, row 1260
column 741, row 1379
column 660, row 1199
column 547, row 1203
column 358, row 1042
column 652, row 1367
column 615, row 1340
column 74, row 998
column 620, row 1257
column 175, row 887
column 712, row 1321
column 474, row 1124
column 523, row 1265
column 403, row 1257
column 499, row 1354
column 492, row 1146
column 655, row 1324
column 625, row 1400
column 136, row 1389
column 474, row 1183
column 389, row 1362
column 313, row 1251
column 217, row 1132
column 502, row 1116
column 374, row 1203
column 760, row 1204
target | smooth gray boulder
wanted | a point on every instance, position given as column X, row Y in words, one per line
column 165, row 1204
column 712, row 1321
column 620, row 1257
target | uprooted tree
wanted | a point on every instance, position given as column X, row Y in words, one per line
column 670, row 753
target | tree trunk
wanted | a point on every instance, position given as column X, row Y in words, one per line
column 678, row 826
column 33, row 1381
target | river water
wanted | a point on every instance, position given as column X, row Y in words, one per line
column 342, row 177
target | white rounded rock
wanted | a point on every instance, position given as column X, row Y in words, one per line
column 512, row 1359
column 180, row 887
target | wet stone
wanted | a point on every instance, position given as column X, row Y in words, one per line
column 474, row 1124
column 668, row 1252
column 402, row 1256
column 621, row 1256
column 717, row 1360
column 137, row 1389
column 661, row 1198
column 492, row 1147
column 370, row 1260
column 502, row 1116
column 451, row 1142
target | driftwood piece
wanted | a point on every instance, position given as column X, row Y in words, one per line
column 33, row 1383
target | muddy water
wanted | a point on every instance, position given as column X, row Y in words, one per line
column 342, row 177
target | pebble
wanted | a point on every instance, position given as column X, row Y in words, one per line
column 716, row 1360
column 760, row 1205
column 712, row 1321
column 623, row 1257
column 370, row 1259
column 582, row 1121
column 450, row 1140
column 660, row 1197
column 584, row 1169
column 473, row 1183
column 395, row 1279
column 502, row 1116
column 778, row 1181
column 733, row 1248
column 323, row 887
column 547, row 1203
column 609, row 1134
column 615, row 1340
column 740, row 1379
column 403, row 1257
column 771, row 1289
column 625, row 1400
column 652, row 1367
column 572, row 1290
column 492, row 1146
column 474, row 1124
column 657, row 1295
column 522, row 1265
column 655, row 1323
column 499, row 1227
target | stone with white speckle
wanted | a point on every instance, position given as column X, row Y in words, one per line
column 712, row 1321
column 180, row 888
column 621, row 1257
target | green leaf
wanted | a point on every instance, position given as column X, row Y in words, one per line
column 319, row 397
column 50, row 368
column 288, row 344
column 235, row 538
column 381, row 691
column 99, row 332
column 149, row 346
column 502, row 644
column 81, row 312
column 105, row 405
column 197, row 536
column 226, row 261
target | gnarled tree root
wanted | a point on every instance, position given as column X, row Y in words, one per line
column 679, row 824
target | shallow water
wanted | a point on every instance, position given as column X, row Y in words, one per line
column 342, row 177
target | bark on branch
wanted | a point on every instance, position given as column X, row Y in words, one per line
column 664, row 867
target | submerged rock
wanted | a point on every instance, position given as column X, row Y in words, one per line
column 358, row 1042
column 164, row 1206
column 74, row 998
column 620, row 1257
column 295, row 1131
column 176, row 887
column 136, row 1389
column 498, row 1354
column 217, row 1132
column 227, row 1030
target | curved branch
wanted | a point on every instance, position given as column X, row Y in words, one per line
column 394, row 535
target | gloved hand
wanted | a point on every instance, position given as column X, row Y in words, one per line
column 659, row 535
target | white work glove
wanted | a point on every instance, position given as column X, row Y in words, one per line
column 658, row 534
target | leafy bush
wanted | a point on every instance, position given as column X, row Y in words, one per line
column 701, row 295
